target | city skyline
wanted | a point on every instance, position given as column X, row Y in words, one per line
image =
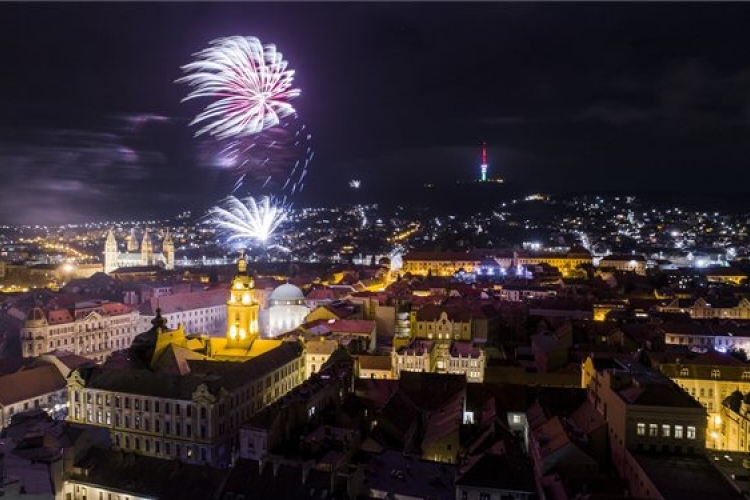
column 568, row 98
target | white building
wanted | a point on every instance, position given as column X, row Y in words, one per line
column 198, row 312
column 92, row 329
column 626, row 263
column 41, row 387
column 286, row 311
column 137, row 257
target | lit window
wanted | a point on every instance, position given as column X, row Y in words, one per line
column 653, row 430
column 684, row 372
column 665, row 431
column 641, row 429
column 715, row 373
column 691, row 432
column 745, row 375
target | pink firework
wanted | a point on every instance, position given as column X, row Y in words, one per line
column 249, row 81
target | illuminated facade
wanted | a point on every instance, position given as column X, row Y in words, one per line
column 710, row 378
column 242, row 310
column 441, row 341
column 625, row 263
column 450, row 263
column 171, row 395
column 702, row 309
column 91, row 329
column 286, row 311
column 733, row 422
column 133, row 257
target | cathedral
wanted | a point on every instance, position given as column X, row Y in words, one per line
column 137, row 257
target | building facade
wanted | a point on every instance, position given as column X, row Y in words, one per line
column 91, row 329
column 203, row 311
column 710, row 378
column 135, row 256
column 286, row 311
column 185, row 397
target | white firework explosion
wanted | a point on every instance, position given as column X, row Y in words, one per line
column 250, row 82
column 248, row 220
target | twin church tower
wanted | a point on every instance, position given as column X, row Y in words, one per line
column 135, row 256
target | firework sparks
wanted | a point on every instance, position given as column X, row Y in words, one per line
column 275, row 160
column 248, row 220
column 250, row 82
column 355, row 183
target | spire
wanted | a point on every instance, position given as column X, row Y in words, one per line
column 242, row 263
column 483, row 166
column 132, row 241
column 159, row 322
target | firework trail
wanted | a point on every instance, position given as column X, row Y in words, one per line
column 275, row 160
column 249, row 82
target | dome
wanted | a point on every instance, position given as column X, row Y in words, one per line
column 287, row 292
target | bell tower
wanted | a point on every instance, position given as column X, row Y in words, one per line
column 167, row 249
column 242, row 309
column 110, row 252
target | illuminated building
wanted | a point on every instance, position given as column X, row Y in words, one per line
column 91, row 329
column 184, row 397
column 702, row 309
column 133, row 257
column 732, row 424
column 441, row 342
column 710, row 378
column 626, row 263
column 646, row 413
column 203, row 311
column 450, row 263
column 286, row 311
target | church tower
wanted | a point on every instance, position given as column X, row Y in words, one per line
column 167, row 249
column 242, row 309
column 110, row 252
column 132, row 241
column 147, row 251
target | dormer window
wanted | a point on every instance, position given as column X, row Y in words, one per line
column 745, row 375
column 684, row 372
column 715, row 373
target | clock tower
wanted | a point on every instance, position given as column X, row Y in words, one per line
column 242, row 309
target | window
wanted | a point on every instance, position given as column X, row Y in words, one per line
column 745, row 375
column 653, row 430
column 691, row 432
column 715, row 373
column 641, row 429
column 684, row 372
column 665, row 430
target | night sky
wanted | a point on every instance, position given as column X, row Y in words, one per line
column 578, row 97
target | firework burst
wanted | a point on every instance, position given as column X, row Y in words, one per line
column 250, row 82
column 249, row 220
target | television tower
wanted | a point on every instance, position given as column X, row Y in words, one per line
column 483, row 166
